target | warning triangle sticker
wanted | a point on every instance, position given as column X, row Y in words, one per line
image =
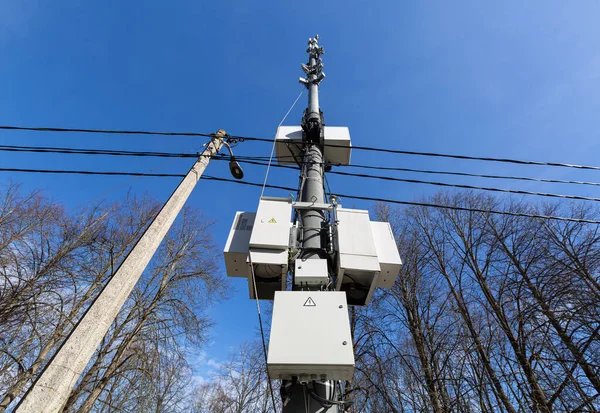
column 272, row 221
column 309, row 303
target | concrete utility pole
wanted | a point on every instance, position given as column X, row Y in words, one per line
column 311, row 190
column 51, row 390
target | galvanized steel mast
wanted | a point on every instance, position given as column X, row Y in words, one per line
column 296, row 396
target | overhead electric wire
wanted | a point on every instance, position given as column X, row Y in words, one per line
column 462, row 186
column 521, row 178
column 450, row 185
column 78, row 172
column 379, row 177
column 424, row 204
column 442, row 155
column 346, row 196
column 508, row 177
column 249, row 159
column 105, row 131
column 248, row 138
column 432, row 172
column 81, row 151
column 254, row 160
column 112, row 152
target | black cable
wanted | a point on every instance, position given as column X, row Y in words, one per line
column 106, row 131
column 248, row 138
column 518, row 178
column 322, row 400
column 286, row 188
column 78, row 151
column 112, row 152
column 62, row 171
column 456, row 208
column 448, row 185
column 264, row 346
column 255, row 160
column 462, row 186
column 423, row 204
column 425, row 171
column 440, row 155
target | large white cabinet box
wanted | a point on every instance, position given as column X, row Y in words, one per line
column 337, row 150
column 310, row 336
column 387, row 254
column 236, row 248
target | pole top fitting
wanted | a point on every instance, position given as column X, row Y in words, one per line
column 314, row 68
column 220, row 134
column 313, row 47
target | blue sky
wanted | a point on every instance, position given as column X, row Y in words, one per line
column 501, row 79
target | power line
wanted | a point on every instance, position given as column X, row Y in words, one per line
column 508, row 177
column 365, row 148
column 444, row 155
column 449, row 185
column 346, row 196
column 479, row 188
column 78, row 151
column 74, row 172
column 105, row 131
column 425, row 171
column 111, row 152
column 424, row 204
column 248, row 159
column 255, row 161
column 453, row 173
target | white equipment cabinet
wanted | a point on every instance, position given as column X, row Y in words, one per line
column 311, row 272
column 310, row 336
column 288, row 144
column 387, row 254
column 236, row 248
column 271, row 228
column 357, row 264
column 259, row 242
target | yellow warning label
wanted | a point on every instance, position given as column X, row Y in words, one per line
column 272, row 221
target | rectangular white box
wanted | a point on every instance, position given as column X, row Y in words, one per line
column 310, row 335
column 310, row 272
column 278, row 259
column 354, row 232
column 288, row 144
column 271, row 228
column 236, row 248
column 387, row 254
column 357, row 265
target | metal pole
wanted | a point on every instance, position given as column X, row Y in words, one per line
column 51, row 390
column 311, row 190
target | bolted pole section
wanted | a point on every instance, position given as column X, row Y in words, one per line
column 51, row 390
column 297, row 396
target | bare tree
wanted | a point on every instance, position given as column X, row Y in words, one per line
column 46, row 285
column 52, row 266
column 490, row 313
column 240, row 384
column 166, row 306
